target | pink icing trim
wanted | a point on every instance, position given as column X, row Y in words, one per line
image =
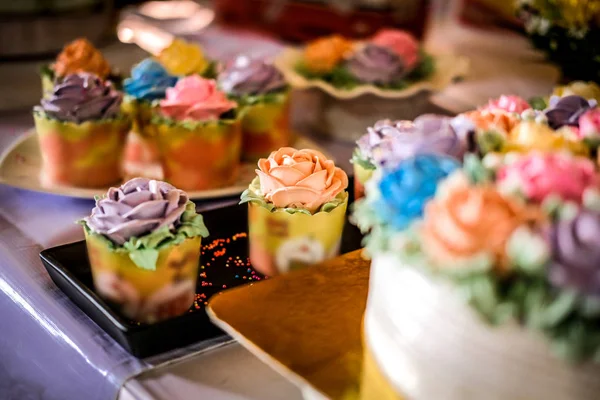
column 195, row 98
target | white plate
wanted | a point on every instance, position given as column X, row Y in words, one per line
column 21, row 163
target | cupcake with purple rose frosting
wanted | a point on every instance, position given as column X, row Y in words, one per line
column 81, row 132
column 388, row 142
column 262, row 92
column 143, row 241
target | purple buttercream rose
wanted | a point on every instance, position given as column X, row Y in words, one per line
column 247, row 76
column 575, row 247
column 82, row 97
column 567, row 110
column 388, row 143
column 140, row 206
column 376, row 64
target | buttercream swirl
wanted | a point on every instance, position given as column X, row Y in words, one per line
column 575, row 253
column 248, row 76
column 389, row 142
column 512, row 104
column 376, row 65
column 139, row 207
column 567, row 110
column 539, row 175
column 195, row 98
column 401, row 42
column 149, row 81
column 324, row 54
column 183, row 58
column 300, row 178
column 82, row 97
column 81, row 56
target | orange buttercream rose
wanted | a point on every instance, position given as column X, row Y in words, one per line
column 493, row 119
column 470, row 221
column 322, row 55
column 81, row 56
column 300, row 178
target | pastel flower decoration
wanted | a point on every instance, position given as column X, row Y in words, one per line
column 589, row 124
column 470, row 223
column 511, row 104
column 493, row 119
column 182, row 58
column 81, row 56
column 407, row 188
column 324, row 54
column 149, row 81
column 376, row 65
column 195, row 98
column 247, row 76
column 300, row 179
column 388, row 142
column 575, row 262
column 137, row 208
column 539, row 175
column 529, row 135
column 567, row 110
column 587, row 90
column 400, row 42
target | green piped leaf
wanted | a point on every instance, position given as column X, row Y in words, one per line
column 144, row 258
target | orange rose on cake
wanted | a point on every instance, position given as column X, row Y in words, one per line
column 299, row 196
column 198, row 135
column 324, row 54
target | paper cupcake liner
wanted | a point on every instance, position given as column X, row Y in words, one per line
column 200, row 156
column 83, row 155
column 361, row 177
column 265, row 128
column 281, row 242
column 144, row 295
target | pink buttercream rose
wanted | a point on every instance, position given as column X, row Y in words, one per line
column 196, row 98
column 300, row 178
column 513, row 104
column 539, row 175
column 400, row 42
column 589, row 124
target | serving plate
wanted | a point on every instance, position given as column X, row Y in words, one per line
column 21, row 165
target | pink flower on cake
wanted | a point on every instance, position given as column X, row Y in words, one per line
column 195, row 98
column 589, row 124
column 300, row 178
column 538, row 175
column 471, row 221
column 513, row 104
column 400, row 42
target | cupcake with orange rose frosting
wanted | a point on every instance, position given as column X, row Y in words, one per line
column 78, row 56
column 297, row 207
column 391, row 59
column 198, row 134
column 473, row 258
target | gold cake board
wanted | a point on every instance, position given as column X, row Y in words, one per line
column 307, row 325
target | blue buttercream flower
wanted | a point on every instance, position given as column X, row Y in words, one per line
column 149, row 81
column 406, row 189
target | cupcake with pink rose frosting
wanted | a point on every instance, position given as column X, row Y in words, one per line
column 143, row 240
column 298, row 196
column 198, row 135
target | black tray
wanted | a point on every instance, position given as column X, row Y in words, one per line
column 69, row 268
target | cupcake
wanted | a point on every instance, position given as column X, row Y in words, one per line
column 389, row 142
column 296, row 211
column 148, row 82
column 261, row 90
column 143, row 242
column 182, row 58
column 81, row 132
column 198, row 135
column 78, row 56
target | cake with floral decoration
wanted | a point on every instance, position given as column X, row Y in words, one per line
column 483, row 278
column 183, row 58
column 78, row 56
column 143, row 240
column 198, row 134
column 264, row 98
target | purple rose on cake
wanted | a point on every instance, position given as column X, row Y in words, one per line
column 388, row 143
column 247, row 76
column 376, row 65
column 567, row 110
column 138, row 207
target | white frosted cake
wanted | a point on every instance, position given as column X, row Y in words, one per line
column 485, row 279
